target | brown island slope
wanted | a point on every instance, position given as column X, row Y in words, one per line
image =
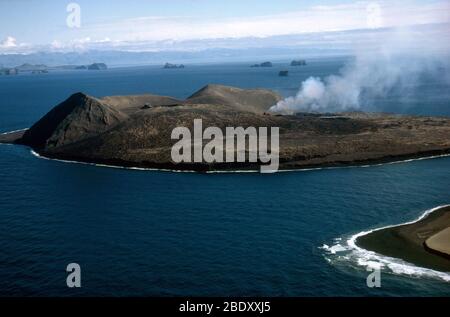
column 135, row 131
column 425, row 243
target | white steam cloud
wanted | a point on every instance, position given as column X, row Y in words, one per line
column 395, row 63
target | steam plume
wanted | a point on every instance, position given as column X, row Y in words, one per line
column 396, row 62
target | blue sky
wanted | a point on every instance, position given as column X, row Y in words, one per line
column 50, row 15
column 28, row 24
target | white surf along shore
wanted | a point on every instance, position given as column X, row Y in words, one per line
column 346, row 250
column 240, row 171
column 229, row 171
column 14, row 131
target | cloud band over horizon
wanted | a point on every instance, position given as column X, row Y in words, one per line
column 147, row 33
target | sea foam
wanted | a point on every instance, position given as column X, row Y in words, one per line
column 345, row 249
column 34, row 153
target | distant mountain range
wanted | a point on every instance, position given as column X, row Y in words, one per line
column 287, row 47
column 122, row 58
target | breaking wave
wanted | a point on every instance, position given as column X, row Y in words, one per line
column 346, row 250
column 34, row 153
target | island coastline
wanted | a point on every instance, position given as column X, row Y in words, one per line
column 121, row 132
column 407, row 241
column 173, row 168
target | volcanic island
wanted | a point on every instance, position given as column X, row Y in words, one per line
column 135, row 131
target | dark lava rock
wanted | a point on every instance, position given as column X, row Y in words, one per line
column 265, row 64
column 98, row 66
column 173, row 66
column 114, row 130
column 79, row 117
column 300, row 62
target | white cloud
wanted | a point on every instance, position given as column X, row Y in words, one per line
column 10, row 45
column 164, row 32
column 356, row 15
column 79, row 44
column 9, row 42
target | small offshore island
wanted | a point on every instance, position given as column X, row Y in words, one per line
column 135, row 131
column 44, row 69
column 425, row 243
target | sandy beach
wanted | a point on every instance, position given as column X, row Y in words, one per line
column 423, row 243
column 439, row 243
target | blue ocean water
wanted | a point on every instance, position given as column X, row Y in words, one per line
column 143, row 233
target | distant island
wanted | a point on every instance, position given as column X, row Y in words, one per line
column 300, row 62
column 173, row 66
column 97, row 66
column 31, row 68
column 265, row 64
column 135, row 131
column 43, row 69
column 425, row 243
column 24, row 68
column 94, row 66
column 8, row 71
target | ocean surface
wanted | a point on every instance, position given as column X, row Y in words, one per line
column 154, row 233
